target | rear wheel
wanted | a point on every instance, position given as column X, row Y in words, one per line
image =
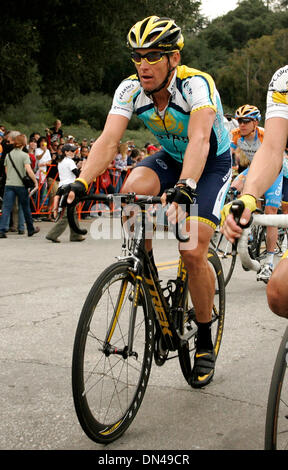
column 189, row 327
column 108, row 379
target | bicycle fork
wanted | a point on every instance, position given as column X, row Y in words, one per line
column 133, row 297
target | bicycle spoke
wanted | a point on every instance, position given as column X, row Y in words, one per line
column 113, row 372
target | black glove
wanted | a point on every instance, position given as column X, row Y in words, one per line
column 181, row 195
column 78, row 189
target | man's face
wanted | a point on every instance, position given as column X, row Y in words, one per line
column 151, row 75
column 246, row 126
column 84, row 152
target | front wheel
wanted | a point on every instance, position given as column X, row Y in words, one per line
column 276, row 428
column 109, row 377
column 187, row 344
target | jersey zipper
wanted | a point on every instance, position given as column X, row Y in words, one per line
column 163, row 120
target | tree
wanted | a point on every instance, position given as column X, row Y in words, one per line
column 19, row 45
column 246, row 76
column 81, row 44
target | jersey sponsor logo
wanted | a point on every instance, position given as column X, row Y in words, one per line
column 169, row 123
column 279, row 86
column 126, row 94
column 280, row 97
column 161, row 163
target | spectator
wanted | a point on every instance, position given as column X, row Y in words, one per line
column 35, row 135
column 43, row 158
column 31, row 152
column 16, row 219
column 84, row 143
column 52, row 181
column 55, row 131
column 120, row 163
column 84, row 151
column 14, row 186
column 133, row 158
column 70, row 139
column 67, row 173
column 151, row 149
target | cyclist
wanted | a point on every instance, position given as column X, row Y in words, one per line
column 248, row 138
column 284, row 198
column 182, row 108
column 264, row 169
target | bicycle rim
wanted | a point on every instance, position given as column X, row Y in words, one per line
column 109, row 384
column 276, row 427
column 187, row 347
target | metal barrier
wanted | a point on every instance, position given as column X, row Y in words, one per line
column 41, row 202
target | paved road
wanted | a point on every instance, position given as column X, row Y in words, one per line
column 43, row 286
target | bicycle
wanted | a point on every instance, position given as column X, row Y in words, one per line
column 276, row 427
column 226, row 251
column 129, row 319
column 223, row 248
column 276, row 424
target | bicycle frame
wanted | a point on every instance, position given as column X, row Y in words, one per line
column 145, row 269
column 139, row 261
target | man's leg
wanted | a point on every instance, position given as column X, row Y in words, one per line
column 273, row 197
column 277, row 292
column 271, row 242
column 202, row 290
column 8, row 202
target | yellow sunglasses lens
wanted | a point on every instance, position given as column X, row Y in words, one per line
column 150, row 57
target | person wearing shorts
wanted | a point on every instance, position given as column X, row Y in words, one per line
column 266, row 166
column 248, row 138
column 182, row 108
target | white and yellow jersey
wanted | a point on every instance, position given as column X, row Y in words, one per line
column 190, row 90
column 277, row 96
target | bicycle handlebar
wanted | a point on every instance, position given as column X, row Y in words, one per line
column 127, row 198
column 266, row 220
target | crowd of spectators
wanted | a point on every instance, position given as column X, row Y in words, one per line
column 45, row 150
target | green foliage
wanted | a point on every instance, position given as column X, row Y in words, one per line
column 245, row 77
column 92, row 108
column 64, row 58
column 18, row 45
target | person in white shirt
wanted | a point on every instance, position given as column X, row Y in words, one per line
column 68, row 172
column 43, row 158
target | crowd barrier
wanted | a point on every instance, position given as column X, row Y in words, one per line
column 111, row 181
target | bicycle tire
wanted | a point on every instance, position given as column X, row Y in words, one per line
column 107, row 388
column 187, row 348
column 276, row 425
column 226, row 255
column 261, row 249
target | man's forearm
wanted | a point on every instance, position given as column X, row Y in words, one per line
column 100, row 156
column 263, row 172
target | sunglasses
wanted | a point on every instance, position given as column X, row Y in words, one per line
column 151, row 57
column 244, row 121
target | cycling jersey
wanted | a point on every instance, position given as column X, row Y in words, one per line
column 249, row 147
column 190, row 90
column 277, row 96
column 285, row 166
